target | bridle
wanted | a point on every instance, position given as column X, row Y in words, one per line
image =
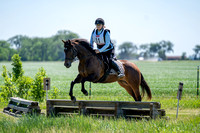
column 74, row 55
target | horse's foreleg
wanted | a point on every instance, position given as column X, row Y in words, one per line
column 77, row 80
column 89, row 78
column 83, row 88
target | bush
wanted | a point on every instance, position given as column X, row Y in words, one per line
column 17, row 67
column 15, row 84
column 24, row 85
column 8, row 89
column 54, row 93
column 37, row 91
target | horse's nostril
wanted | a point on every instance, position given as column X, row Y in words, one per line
column 67, row 64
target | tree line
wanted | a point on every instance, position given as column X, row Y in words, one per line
column 36, row 49
column 128, row 50
column 51, row 48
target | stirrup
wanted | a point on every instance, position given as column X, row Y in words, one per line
column 121, row 75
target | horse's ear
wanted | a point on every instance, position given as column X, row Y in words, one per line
column 63, row 41
column 69, row 42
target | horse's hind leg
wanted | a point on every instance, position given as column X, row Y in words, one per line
column 128, row 88
column 134, row 84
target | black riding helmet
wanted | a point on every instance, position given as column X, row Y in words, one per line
column 99, row 21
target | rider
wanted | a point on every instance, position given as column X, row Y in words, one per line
column 104, row 45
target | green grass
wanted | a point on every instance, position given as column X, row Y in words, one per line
column 92, row 124
column 162, row 77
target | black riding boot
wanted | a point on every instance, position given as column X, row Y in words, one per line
column 117, row 69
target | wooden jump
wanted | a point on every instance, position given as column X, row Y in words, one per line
column 18, row 106
column 105, row 108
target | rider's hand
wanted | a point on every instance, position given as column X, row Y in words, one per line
column 97, row 51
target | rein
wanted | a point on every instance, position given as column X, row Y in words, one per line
column 82, row 57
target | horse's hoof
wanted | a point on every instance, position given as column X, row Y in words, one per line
column 73, row 99
column 85, row 93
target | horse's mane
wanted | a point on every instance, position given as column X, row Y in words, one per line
column 85, row 44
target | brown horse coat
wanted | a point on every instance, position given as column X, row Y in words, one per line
column 91, row 68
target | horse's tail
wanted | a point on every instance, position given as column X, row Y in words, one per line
column 145, row 86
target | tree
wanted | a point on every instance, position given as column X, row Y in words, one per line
column 183, row 56
column 197, row 51
column 16, row 41
column 127, row 50
column 36, row 49
column 5, row 51
column 144, row 51
column 161, row 48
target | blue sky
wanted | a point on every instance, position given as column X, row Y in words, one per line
column 137, row 21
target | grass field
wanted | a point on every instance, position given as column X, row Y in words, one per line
column 162, row 77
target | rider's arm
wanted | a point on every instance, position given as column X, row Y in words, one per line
column 91, row 41
column 107, row 42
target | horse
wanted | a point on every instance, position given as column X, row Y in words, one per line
column 91, row 68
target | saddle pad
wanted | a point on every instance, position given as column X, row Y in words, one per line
column 120, row 65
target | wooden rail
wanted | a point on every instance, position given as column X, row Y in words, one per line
column 105, row 108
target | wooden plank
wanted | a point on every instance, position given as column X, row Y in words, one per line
column 99, row 110
column 66, row 109
column 23, row 101
column 162, row 112
column 137, row 117
column 103, row 115
column 140, row 112
column 91, row 111
column 12, row 114
column 104, row 103
column 26, row 110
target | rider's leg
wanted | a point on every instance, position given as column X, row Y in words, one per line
column 117, row 68
column 109, row 55
column 108, row 58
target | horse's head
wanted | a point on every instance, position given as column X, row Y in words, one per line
column 70, row 53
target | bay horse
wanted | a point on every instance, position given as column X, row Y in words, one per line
column 91, row 68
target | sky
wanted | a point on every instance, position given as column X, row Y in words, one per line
column 136, row 21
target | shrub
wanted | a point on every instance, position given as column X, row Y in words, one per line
column 54, row 93
column 17, row 67
column 24, row 85
column 15, row 84
column 37, row 91
column 8, row 89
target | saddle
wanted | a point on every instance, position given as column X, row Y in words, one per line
column 110, row 71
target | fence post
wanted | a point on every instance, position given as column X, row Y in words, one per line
column 179, row 94
column 197, row 81
column 90, row 91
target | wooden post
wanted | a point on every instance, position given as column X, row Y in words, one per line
column 82, row 108
column 179, row 94
column 151, row 111
column 46, row 84
column 90, row 91
column 118, row 110
column 197, row 81
column 50, row 111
